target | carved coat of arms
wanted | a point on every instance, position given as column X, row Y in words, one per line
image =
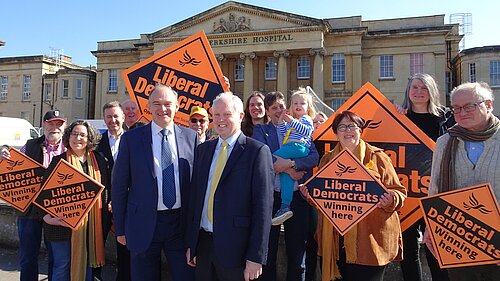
column 232, row 24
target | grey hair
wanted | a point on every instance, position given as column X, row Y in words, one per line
column 434, row 106
column 123, row 103
column 480, row 89
column 237, row 103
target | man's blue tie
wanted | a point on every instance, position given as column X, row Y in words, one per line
column 167, row 166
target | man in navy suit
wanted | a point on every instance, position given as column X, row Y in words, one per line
column 300, row 169
column 151, row 177
column 232, row 201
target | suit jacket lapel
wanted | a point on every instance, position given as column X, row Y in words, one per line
column 106, row 149
column 239, row 147
column 274, row 141
column 147, row 140
column 180, row 139
column 206, row 161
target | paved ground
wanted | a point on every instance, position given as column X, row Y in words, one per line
column 9, row 269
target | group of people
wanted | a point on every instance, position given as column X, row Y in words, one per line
column 75, row 255
column 214, row 200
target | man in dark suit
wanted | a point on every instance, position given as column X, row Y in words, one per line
column 300, row 169
column 151, row 177
column 108, row 147
column 232, row 200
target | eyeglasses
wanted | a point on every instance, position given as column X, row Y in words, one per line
column 350, row 127
column 82, row 135
column 195, row 120
column 467, row 108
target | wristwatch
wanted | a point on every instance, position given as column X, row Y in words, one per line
column 293, row 164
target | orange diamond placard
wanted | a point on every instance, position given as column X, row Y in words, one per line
column 409, row 148
column 20, row 179
column 464, row 226
column 68, row 193
column 189, row 67
column 345, row 191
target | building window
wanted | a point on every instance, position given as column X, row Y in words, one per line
column 239, row 70
column 65, row 88
column 338, row 68
column 270, row 71
column 495, row 73
column 47, row 92
column 416, row 63
column 26, row 87
column 337, row 103
column 112, row 80
column 4, row 85
column 303, row 67
column 386, row 66
column 472, row 72
column 79, row 93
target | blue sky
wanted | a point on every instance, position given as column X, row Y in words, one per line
column 31, row 27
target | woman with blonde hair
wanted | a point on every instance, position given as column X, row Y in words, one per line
column 422, row 106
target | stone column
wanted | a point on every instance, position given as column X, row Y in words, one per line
column 356, row 72
column 248, row 81
column 318, row 79
column 282, row 81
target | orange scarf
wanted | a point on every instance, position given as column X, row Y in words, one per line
column 91, row 225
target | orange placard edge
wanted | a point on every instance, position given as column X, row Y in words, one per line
column 434, row 243
column 368, row 172
column 92, row 202
column 197, row 36
column 402, row 119
column 11, row 149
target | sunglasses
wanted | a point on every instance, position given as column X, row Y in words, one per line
column 195, row 120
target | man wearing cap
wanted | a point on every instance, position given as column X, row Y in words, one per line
column 198, row 121
column 29, row 226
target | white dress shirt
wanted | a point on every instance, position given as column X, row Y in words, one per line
column 205, row 223
column 157, row 138
column 114, row 143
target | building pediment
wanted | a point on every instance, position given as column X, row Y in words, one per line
column 234, row 17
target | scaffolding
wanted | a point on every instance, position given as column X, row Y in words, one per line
column 56, row 54
column 464, row 21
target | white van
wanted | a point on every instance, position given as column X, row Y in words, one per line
column 98, row 123
column 16, row 131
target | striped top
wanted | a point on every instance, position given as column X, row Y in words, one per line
column 301, row 129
